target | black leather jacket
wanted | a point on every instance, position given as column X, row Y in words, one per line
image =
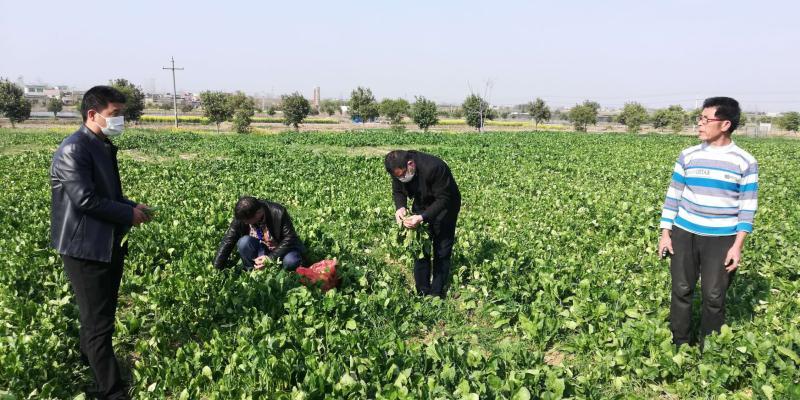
column 280, row 229
column 433, row 188
column 88, row 210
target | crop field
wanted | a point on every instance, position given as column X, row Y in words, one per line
column 557, row 291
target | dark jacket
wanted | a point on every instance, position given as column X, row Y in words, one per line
column 433, row 188
column 280, row 229
column 88, row 210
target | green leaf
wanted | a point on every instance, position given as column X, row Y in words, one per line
column 500, row 323
column 632, row 313
column 522, row 394
column 678, row 359
column 768, row 391
column 789, row 353
column 347, row 380
column 351, row 325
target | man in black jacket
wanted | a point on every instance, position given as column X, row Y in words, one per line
column 428, row 181
column 89, row 217
column 262, row 231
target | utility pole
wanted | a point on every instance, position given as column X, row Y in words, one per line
column 174, row 90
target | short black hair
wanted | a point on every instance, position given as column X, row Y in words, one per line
column 727, row 109
column 396, row 159
column 99, row 97
column 246, row 207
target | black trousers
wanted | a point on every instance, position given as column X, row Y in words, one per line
column 696, row 257
column 443, row 235
column 96, row 288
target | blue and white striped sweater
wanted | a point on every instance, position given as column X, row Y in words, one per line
column 713, row 192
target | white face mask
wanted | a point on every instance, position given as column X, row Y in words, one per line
column 407, row 177
column 114, row 125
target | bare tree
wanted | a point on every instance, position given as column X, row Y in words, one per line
column 481, row 110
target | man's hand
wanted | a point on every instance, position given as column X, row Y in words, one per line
column 732, row 259
column 412, row 221
column 146, row 209
column 665, row 244
column 399, row 215
column 139, row 216
column 260, row 261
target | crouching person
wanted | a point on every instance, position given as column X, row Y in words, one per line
column 262, row 233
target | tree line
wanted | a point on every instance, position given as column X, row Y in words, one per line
column 239, row 109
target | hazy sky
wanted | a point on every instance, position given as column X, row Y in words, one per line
column 654, row 52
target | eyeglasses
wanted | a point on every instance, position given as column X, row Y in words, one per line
column 702, row 120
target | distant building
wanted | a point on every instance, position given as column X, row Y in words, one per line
column 157, row 99
column 72, row 97
column 165, row 99
column 56, row 92
column 189, row 98
column 34, row 91
column 39, row 94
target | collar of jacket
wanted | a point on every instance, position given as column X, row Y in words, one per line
column 93, row 136
column 267, row 213
column 415, row 157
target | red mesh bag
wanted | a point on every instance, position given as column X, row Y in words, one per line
column 323, row 271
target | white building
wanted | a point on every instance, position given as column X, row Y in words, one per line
column 34, row 91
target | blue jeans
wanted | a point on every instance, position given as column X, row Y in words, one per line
column 248, row 250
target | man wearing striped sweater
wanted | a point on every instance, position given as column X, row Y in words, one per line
column 707, row 214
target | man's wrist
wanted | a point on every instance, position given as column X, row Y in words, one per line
column 133, row 215
column 739, row 242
